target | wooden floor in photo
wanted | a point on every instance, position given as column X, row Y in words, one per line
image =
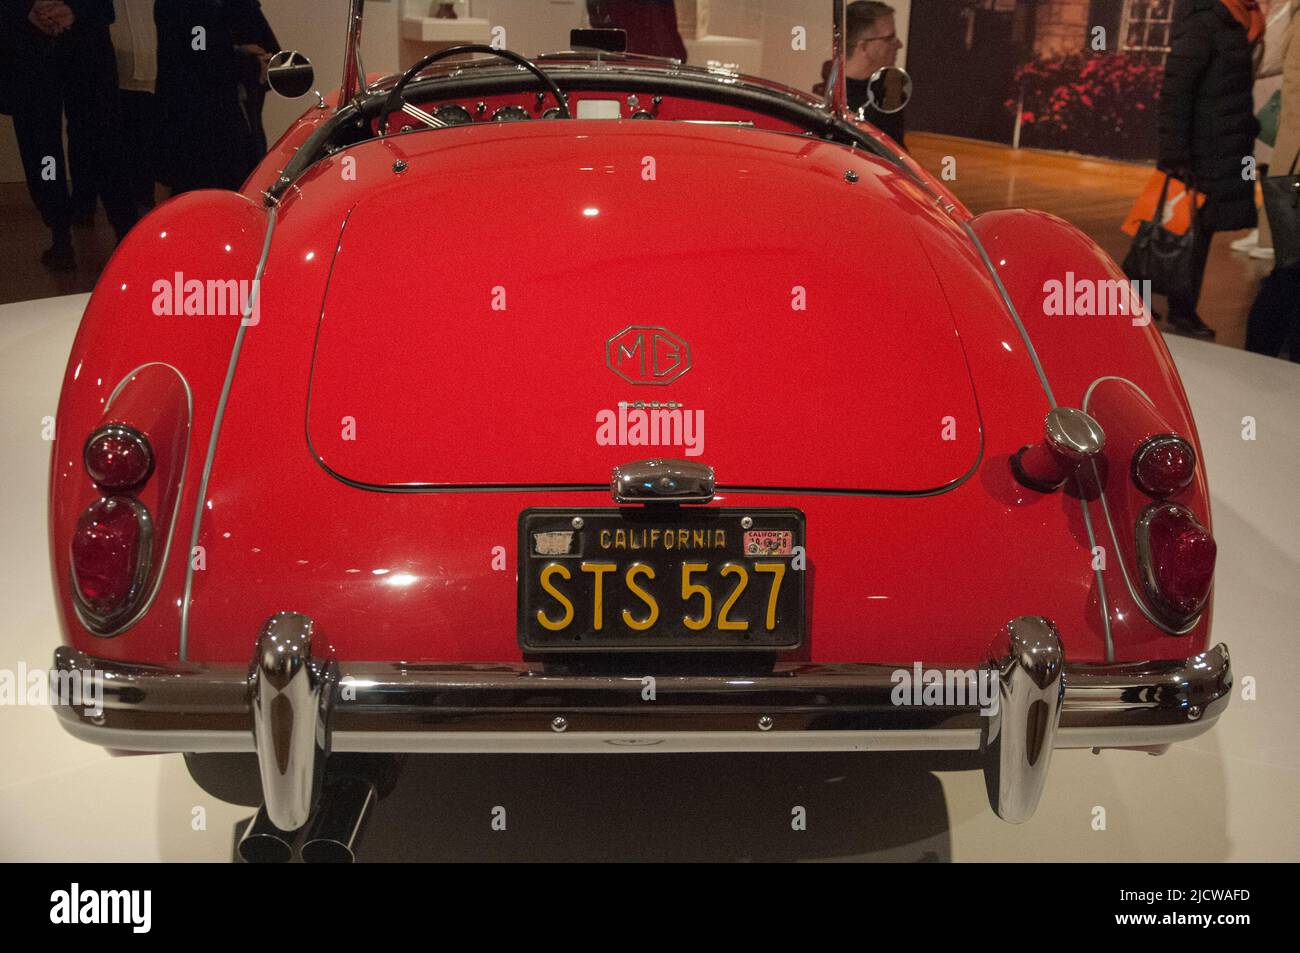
column 1095, row 195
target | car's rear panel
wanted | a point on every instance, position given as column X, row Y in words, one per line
column 885, row 411
column 931, row 550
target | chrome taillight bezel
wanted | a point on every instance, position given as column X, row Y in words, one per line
column 109, row 624
column 126, row 432
column 1175, row 623
column 1152, row 444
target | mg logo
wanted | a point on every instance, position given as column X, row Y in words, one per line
column 645, row 355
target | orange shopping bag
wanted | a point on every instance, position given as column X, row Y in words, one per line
column 1177, row 214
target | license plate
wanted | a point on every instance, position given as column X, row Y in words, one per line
column 660, row 578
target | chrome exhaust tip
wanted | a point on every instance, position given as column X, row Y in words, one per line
column 264, row 843
column 336, row 830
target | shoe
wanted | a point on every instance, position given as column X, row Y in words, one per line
column 59, row 257
column 1260, row 252
column 1192, row 327
column 1246, row 243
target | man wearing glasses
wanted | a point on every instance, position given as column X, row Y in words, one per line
column 870, row 42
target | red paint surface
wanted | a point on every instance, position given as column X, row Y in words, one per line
column 903, row 328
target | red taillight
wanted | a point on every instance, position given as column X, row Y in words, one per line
column 1163, row 465
column 1176, row 554
column 118, row 458
column 110, row 554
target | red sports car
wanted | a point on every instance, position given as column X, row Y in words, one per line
column 602, row 403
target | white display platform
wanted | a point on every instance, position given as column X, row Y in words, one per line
column 1228, row 795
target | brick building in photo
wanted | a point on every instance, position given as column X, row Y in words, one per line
column 1077, row 75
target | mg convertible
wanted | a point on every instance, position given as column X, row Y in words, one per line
column 593, row 402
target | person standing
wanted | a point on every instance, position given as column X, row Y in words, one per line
column 870, row 43
column 63, row 61
column 212, row 59
column 137, row 67
column 1279, row 15
column 1208, row 126
column 1274, row 322
column 136, row 47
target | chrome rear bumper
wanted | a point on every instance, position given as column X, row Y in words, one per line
column 294, row 709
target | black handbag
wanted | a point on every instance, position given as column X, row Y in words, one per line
column 1165, row 259
column 1282, row 206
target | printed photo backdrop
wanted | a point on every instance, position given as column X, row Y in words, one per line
column 1074, row 75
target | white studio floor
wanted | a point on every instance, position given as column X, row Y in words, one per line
column 1228, row 795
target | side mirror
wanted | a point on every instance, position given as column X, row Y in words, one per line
column 290, row 74
column 888, row 90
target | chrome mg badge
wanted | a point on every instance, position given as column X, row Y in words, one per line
column 646, row 355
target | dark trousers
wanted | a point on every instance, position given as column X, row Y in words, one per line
column 74, row 73
column 138, row 131
column 1274, row 323
column 1185, row 308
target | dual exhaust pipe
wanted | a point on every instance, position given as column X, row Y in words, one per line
column 333, row 835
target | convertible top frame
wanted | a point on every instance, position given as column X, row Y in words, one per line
column 575, row 73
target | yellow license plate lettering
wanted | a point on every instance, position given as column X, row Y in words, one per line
column 598, row 596
column 778, row 574
column 555, row 569
column 690, row 589
column 733, row 625
column 640, row 625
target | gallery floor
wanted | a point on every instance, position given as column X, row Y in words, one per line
column 1227, row 795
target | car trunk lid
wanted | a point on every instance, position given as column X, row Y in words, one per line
column 723, row 295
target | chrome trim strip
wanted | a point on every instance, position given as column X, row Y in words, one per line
column 836, row 98
column 1101, row 581
column 272, row 215
column 425, row 117
column 1011, row 309
column 353, row 78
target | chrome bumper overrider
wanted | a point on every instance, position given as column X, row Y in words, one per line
column 293, row 709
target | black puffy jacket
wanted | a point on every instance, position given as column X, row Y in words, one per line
column 1207, row 114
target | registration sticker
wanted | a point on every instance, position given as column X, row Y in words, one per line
column 554, row 543
column 769, row 542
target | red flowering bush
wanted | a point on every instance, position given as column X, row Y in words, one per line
column 1099, row 103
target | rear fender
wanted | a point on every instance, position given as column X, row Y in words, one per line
column 139, row 358
column 1062, row 286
